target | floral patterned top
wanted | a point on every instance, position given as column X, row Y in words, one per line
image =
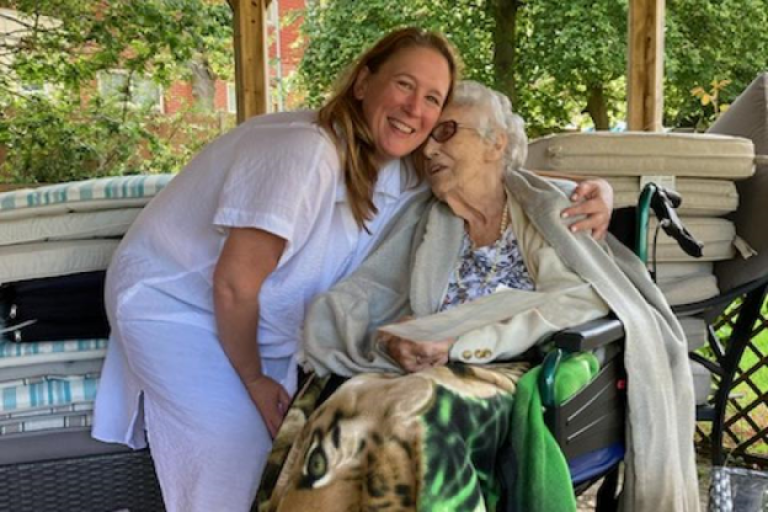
column 475, row 264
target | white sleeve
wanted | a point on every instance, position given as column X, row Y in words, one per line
column 280, row 183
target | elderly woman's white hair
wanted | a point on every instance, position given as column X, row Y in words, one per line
column 474, row 94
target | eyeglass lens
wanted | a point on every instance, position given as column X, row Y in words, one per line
column 444, row 131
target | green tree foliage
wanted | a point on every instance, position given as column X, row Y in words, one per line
column 569, row 58
column 338, row 31
column 55, row 125
column 572, row 61
column 709, row 41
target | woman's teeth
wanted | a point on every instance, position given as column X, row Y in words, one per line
column 401, row 127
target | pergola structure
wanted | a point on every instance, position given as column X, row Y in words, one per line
column 644, row 74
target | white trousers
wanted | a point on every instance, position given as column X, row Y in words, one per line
column 207, row 438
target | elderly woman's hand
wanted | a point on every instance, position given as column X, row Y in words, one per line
column 414, row 356
column 595, row 200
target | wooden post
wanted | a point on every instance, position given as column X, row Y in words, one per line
column 645, row 89
column 251, row 64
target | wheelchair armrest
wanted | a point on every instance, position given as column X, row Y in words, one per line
column 590, row 335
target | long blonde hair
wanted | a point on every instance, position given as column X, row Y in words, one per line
column 342, row 115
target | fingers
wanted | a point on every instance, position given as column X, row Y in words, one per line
column 272, row 401
column 425, row 355
column 585, row 190
column 273, row 424
column 595, row 224
column 283, row 401
column 595, row 201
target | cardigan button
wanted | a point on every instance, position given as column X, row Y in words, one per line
column 480, row 353
column 467, row 354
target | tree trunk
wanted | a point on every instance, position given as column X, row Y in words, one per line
column 597, row 108
column 504, row 41
column 203, row 83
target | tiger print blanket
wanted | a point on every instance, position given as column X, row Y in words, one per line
column 425, row 441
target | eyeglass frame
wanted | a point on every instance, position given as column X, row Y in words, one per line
column 456, row 125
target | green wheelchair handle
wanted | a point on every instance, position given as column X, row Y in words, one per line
column 547, row 377
column 643, row 214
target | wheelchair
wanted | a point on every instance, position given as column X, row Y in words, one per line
column 590, row 426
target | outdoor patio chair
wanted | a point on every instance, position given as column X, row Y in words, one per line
column 69, row 471
column 747, row 117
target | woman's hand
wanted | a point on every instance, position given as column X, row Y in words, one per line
column 414, row 356
column 595, row 200
column 271, row 400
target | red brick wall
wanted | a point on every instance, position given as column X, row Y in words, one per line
column 289, row 33
column 220, row 96
column 177, row 97
column 290, row 52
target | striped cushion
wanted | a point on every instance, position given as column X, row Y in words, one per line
column 28, row 394
column 76, row 416
column 54, row 368
column 21, row 354
column 95, row 194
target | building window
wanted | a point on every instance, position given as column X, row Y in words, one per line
column 231, row 98
column 141, row 92
column 35, row 88
column 273, row 16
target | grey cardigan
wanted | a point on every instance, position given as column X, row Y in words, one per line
column 407, row 274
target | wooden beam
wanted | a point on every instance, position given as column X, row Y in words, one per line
column 251, row 64
column 645, row 88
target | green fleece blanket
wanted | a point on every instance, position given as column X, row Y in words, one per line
column 447, row 439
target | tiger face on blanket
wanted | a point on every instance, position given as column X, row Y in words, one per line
column 399, row 443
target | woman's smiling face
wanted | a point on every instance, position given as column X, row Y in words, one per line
column 403, row 99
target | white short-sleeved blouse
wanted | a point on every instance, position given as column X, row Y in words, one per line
column 279, row 173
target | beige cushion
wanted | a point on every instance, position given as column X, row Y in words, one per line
column 695, row 330
column 700, row 197
column 702, row 382
column 748, row 117
column 666, row 270
column 643, row 154
column 687, row 290
column 67, row 226
column 48, row 259
column 716, row 234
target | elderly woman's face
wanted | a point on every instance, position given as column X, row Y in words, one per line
column 403, row 99
column 453, row 161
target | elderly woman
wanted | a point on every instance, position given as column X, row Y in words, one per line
column 480, row 275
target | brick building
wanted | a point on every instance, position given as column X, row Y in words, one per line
column 216, row 97
column 284, row 21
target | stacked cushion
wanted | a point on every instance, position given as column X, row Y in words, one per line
column 705, row 169
column 70, row 226
column 643, row 154
column 711, row 198
column 57, row 241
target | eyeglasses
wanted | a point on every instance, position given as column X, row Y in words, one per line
column 444, row 131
